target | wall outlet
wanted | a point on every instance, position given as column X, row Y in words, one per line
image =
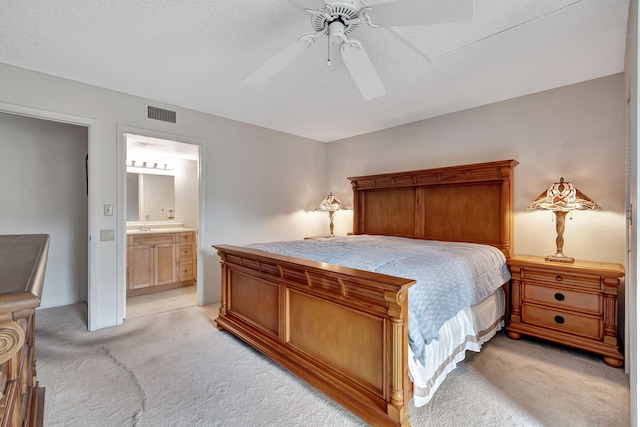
column 107, row 235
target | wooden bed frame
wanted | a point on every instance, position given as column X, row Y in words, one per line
column 344, row 330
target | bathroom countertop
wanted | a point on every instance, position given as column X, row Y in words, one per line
column 160, row 230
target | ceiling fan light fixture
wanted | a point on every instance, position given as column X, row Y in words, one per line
column 336, row 32
column 321, row 18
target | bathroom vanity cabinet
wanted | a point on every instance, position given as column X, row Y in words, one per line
column 160, row 260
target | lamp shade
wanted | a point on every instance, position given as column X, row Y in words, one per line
column 330, row 204
column 563, row 196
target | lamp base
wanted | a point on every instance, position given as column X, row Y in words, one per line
column 559, row 258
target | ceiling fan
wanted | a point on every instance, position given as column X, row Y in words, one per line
column 336, row 19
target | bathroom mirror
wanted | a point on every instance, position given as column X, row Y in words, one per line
column 150, row 197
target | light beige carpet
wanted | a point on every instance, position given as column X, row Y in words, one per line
column 177, row 369
column 161, row 302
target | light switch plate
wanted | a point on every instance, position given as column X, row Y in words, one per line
column 108, row 210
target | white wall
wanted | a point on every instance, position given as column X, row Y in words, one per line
column 186, row 197
column 577, row 132
column 260, row 184
column 43, row 190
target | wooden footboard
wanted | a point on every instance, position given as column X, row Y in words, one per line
column 344, row 331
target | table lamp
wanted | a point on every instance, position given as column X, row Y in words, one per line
column 330, row 204
column 561, row 198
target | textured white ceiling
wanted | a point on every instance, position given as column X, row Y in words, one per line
column 195, row 54
column 145, row 148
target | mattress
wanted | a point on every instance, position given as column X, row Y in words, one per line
column 467, row 330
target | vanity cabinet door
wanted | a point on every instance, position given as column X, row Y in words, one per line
column 151, row 265
column 165, row 264
column 141, row 266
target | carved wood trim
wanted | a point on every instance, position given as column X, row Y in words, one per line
column 362, row 289
column 12, row 339
column 516, row 294
column 478, row 172
column 399, row 330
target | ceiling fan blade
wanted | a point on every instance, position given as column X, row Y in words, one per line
column 421, row 12
column 309, row 4
column 361, row 69
column 281, row 60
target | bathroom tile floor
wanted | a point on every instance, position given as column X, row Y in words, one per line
column 161, row 302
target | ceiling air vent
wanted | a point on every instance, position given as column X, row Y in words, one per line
column 161, row 114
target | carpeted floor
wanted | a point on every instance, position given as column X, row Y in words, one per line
column 177, row 369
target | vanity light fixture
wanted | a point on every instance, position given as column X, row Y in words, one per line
column 149, row 165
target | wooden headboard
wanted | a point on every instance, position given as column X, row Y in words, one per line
column 468, row 203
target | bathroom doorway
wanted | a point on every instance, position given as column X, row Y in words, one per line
column 162, row 206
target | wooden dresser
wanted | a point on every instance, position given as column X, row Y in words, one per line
column 23, row 260
column 575, row 304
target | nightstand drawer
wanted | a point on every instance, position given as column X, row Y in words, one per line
column 562, row 278
column 563, row 298
column 587, row 326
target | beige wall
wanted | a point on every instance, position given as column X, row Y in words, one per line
column 577, row 132
column 262, row 185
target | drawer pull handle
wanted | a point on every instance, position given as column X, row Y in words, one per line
column 558, row 278
column 559, row 319
column 559, row 297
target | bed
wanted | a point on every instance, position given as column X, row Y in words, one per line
column 345, row 330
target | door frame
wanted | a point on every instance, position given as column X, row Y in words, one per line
column 121, row 230
column 93, row 210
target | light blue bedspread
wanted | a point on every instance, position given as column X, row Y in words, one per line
column 449, row 276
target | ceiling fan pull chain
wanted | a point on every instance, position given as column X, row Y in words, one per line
column 328, row 52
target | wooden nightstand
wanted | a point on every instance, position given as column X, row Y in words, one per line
column 575, row 304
